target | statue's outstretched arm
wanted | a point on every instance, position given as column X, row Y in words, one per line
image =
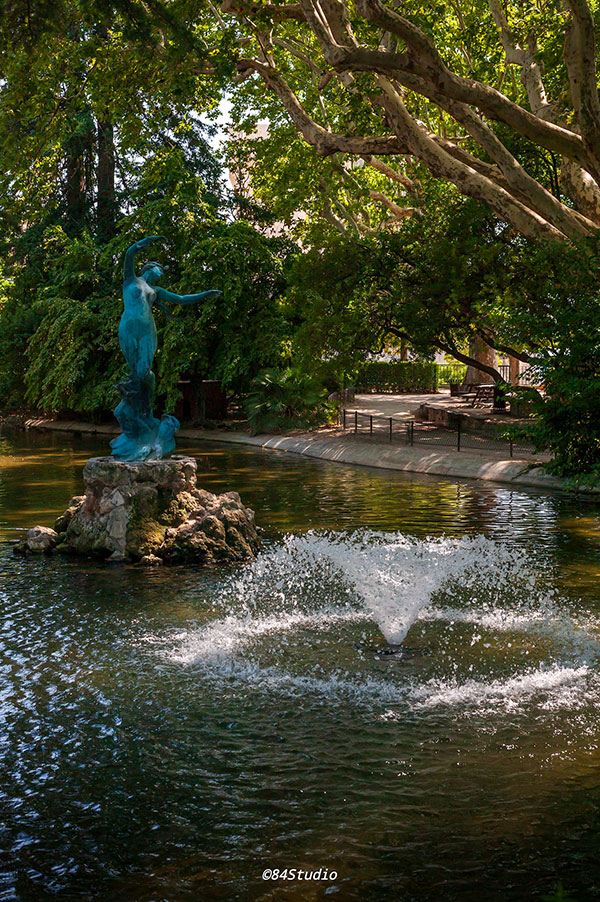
column 129, row 261
column 171, row 298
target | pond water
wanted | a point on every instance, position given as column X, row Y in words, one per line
column 169, row 734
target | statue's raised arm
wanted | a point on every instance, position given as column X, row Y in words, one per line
column 129, row 261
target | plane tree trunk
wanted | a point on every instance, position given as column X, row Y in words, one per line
column 482, row 353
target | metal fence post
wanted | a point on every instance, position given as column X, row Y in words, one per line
column 344, row 418
column 412, row 433
column 511, row 447
column 355, row 422
column 390, row 429
column 370, row 425
column 458, row 434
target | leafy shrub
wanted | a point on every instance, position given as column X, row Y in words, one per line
column 568, row 417
column 450, row 372
column 398, row 377
column 282, row 399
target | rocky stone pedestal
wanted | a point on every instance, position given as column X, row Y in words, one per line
column 151, row 512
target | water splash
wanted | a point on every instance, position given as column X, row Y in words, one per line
column 232, row 634
column 485, row 602
column 395, row 576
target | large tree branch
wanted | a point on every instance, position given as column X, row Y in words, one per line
column 448, row 347
column 531, row 77
column 324, row 141
column 526, row 188
column 410, row 138
column 328, row 214
column 489, row 170
column 575, row 182
column 412, row 186
column 529, row 191
column 329, row 21
column 580, row 57
column 398, row 211
column 505, row 349
column 583, row 190
column 423, row 59
column 491, row 102
column 467, row 179
column 504, row 185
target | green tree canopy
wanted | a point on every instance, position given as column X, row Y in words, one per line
column 103, row 116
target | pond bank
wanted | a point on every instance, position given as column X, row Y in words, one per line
column 333, row 445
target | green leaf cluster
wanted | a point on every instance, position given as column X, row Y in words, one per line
column 397, row 377
column 287, row 398
column 71, row 72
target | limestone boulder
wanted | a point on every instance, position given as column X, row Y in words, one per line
column 61, row 524
column 153, row 512
column 41, row 539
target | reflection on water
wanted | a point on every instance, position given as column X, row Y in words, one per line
column 168, row 734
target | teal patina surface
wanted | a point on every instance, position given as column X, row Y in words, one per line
column 143, row 436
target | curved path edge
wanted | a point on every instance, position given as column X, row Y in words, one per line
column 341, row 449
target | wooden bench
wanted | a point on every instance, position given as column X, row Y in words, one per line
column 484, row 395
column 462, row 390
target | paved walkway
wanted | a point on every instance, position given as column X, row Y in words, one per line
column 405, row 407
column 401, row 407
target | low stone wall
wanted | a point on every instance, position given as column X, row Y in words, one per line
column 152, row 512
column 440, row 415
column 477, row 425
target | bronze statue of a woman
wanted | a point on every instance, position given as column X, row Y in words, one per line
column 143, row 437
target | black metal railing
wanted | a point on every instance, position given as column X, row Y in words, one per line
column 412, row 432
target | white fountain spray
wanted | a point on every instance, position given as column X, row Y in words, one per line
column 324, row 588
column 396, row 576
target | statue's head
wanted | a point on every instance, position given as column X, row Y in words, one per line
column 152, row 272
